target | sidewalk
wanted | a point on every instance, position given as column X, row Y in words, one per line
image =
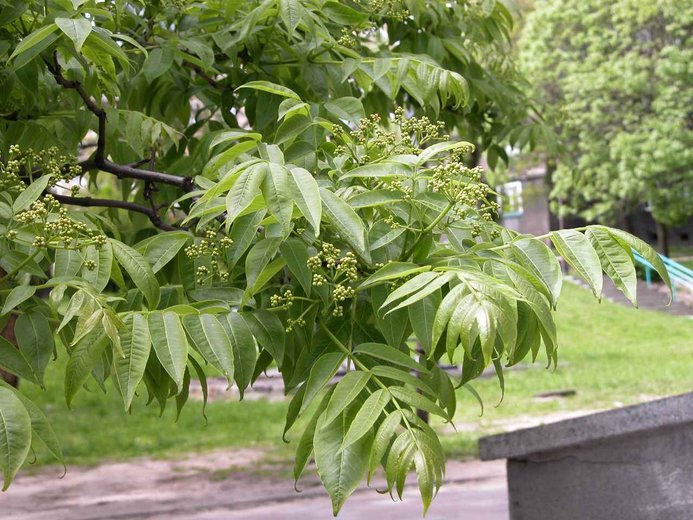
column 223, row 485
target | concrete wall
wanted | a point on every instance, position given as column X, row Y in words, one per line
column 636, row 477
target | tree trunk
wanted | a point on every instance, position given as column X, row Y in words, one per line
column 662, row 238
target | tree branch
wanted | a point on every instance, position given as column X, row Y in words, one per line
column 119, row 204
column 99, row 162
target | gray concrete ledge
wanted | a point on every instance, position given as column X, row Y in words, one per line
column 671, row 411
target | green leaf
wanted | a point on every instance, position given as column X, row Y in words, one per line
column 139, row 270
column 67, row 263
column 170, row 344
column 304, row 190
column 575, row 248
column 417, row 400
column 645, row 251
column 258, row 258
column 292, row 128
column 136, row 343
column 40, row 427
column 14, row 361
column 394, row 270
column 305, row 443
column 19, row 294
column 15, row 435
column 445, row 311
column 35, row 341
column 380, row 170
column 340, row 470
column 346, row 108
column 421, row 293
column 438, row 148
column 616, row 262
column 390, row 354
column 158, row 62
column 272, row 88
column 538, row 258
column 421, row 316
column 402, row 376
column 243, row 232
column 83, row 358
column 269, row 332
column 275, row 189
column 322, row 372
column 34, row 39
column 244, row 349
column 244, row 190
column 345, row 220
column 348, row 389
column 29, row 195
column 160, row 249
column 382, row 440
column 77, row 29
column 103, row 260
column 366, row 417
column 209, row 338
column 290, row 11
column 295, row 253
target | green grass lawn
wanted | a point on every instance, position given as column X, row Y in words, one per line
column 608, row 354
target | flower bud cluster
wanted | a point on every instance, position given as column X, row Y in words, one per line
column 212, row 249
column 282, row 300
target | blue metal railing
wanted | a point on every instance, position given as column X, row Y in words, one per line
column 680, row 275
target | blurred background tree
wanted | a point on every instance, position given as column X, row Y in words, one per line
column 616, row 79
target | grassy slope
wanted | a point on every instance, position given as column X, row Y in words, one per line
column 608, row 354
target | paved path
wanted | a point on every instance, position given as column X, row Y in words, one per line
column 222, row 485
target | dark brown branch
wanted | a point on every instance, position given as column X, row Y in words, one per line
column 201, row 73
column 99, row 162
column 119, row 204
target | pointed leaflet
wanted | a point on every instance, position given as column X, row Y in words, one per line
column 19, row 294
column 394, row 270
column 538, row 258
column 40, row 427
column 243, row 232
column 269, row 332
column 272, row 88
column 244, row 349
column 67, row 263
column 445, row 311
column 31, row 193
column 275, row 189
column 421, row 316
column 366, row 417
column 348, row 388
column 15, row 362
column 103, row 260
column 139, row 270
column 381, row 442
column 416, row 400
column 136, row 343
column 37, row 37
column 15, row 435
column 244, row 190
column 35, row 341
column 305, row 443
column 209, row 338
column 340, row 470
column 290, row 11
column 395, row 325
column 345, row 220
column 258, row 258
column 160, row 249
column 575, row 248
column 322, row 372
column 295, row 252
column 616, row 261
column 77, row 29
column 432, row 287
column 170, row 344
column 305, row 192
column 389, row 354
column 644, row 250
column 83, row 358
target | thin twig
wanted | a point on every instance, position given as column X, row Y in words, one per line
column 119, row 204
